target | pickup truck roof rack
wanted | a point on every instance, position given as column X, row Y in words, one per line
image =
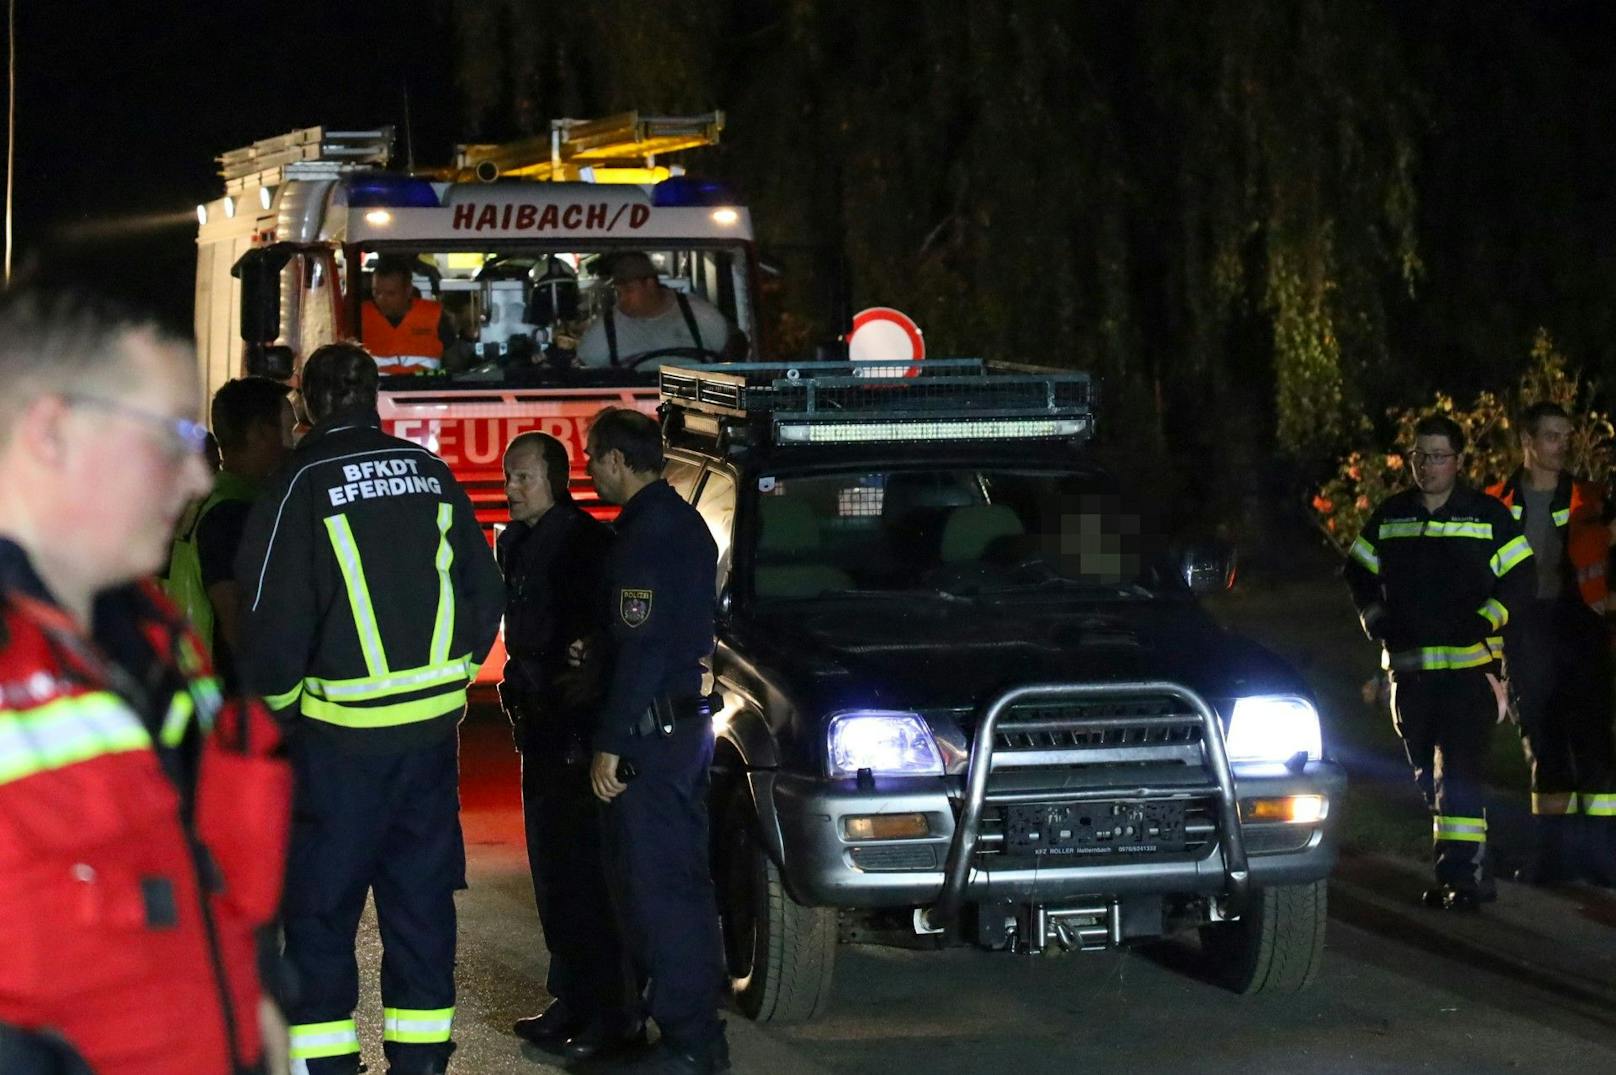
column 876, row 402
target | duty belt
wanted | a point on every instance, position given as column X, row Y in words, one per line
column 664, row 712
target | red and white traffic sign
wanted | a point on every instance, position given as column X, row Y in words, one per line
column 882, row 334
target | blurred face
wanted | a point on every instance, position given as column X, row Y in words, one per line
column 606, row 471
column 527, row 486
column 639, row 298
column 1436, row 464
column 391, row 294
column 128, row 465
column 1546, row 449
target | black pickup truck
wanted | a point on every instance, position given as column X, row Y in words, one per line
column 968, row 697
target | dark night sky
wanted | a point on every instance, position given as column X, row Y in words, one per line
column 122, row 107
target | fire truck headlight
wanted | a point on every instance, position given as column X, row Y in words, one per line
column 725, row 217
column 378, row 217
column 1273, row 728
column 886, row 743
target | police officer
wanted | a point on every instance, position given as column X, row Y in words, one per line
column 552, row 554
column 142, row 818
column 654, row 742
column 372, row 598
column 1435, row 574
column 1563, row 687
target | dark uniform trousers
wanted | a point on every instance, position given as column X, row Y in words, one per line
column 657, row 856
column 388, row 823
column 590, row 972
column 1444, row 719
column 1563, row 691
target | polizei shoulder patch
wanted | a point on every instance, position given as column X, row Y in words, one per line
column 634, row 606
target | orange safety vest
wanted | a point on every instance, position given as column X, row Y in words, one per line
column 1579, row 518
column 411, row 346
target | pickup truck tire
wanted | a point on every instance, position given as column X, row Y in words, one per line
column 1277, row 946
column 780, row 955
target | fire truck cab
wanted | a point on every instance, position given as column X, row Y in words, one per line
column 513, row 242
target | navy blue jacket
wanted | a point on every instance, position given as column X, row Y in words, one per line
column 661, row 577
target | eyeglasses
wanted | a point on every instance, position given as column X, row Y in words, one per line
column 1419, row 458
column 184, row 437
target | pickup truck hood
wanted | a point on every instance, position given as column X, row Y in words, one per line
column 936, row 655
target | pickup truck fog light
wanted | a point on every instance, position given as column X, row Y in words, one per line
column 1298, row 809
column 886, row 827
column 1273, row 728
column 886, row 743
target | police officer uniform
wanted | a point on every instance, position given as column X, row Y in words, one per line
column 660, row 581
column 552, row 598
column 1433, row 587
column 372, row 598
column 1563, row 687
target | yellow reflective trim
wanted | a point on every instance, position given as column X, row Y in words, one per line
column 1562, row 517
column 1494, row 612
column 1601, row 805
column 177, row 719
column 384, row 716
column 1438, row 658
column 1401, row 528
column 310, row 1041
column 1461, row 829
column 1495, row 646
column 353, row 575
column 1554, row 803
column 65, row 732
column 1432, row 528
column 1516, row 511
column 417, row 1026
column 283, row 701
column 443, row 624
column 1364, row 553
column 1509, row 554
column 369, row 688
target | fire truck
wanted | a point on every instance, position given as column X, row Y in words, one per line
column 513, row 240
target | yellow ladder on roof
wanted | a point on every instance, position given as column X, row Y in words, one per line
column 627, row 144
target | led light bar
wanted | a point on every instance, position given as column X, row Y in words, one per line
column 930, row 429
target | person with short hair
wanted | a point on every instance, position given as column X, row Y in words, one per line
column 653, row 743
column 404, row 333
column 648, row 318
column 1435, row 574
column 143, row 817
column 1562, row 683
column 552, row 553
column 372, row 598
column 252, row 421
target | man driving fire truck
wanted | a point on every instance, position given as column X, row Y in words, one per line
column 649, row 319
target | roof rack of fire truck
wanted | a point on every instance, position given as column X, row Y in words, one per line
column 578, row 148
column 312, row 152
column 870, row 402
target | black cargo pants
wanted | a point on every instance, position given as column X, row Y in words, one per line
column 1445, row 718
column 1562, row 684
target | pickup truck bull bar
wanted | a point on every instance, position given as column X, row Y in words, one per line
column 956, row 872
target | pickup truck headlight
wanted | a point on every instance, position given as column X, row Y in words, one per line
column 1273, row 728
column 886, row 743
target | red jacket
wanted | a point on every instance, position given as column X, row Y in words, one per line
column 143, row 826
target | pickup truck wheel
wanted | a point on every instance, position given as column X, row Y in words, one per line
column 1277, row 946
column 780, row 954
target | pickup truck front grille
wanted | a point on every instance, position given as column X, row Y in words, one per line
column 1083, row 734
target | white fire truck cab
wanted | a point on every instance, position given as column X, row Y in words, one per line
column 513, row 241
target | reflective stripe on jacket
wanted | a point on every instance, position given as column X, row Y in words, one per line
column 1579, row 518
column 372, row 594
column 183, row 583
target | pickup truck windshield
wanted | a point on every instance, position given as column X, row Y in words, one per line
column 952, row 531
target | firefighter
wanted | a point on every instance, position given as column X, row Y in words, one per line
column 253, row 419
column 142, row 818
column 552, row 554
column 1563, row 685
column 648, row 318
column 654, row 742
column 371, row 597
column 406, row 334
column 1435, row 574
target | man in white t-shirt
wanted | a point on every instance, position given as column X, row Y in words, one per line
column 649, row 318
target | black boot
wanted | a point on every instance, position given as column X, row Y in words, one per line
column 1596, row 845
column 550, row 1027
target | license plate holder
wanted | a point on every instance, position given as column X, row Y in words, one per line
column 1076, row 830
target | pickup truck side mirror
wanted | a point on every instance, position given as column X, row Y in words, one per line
column 1207, row 567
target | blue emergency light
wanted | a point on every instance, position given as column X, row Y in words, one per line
column 388, row 190
column 683, row 192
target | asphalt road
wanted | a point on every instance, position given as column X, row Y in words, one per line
column 1382, row 1003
